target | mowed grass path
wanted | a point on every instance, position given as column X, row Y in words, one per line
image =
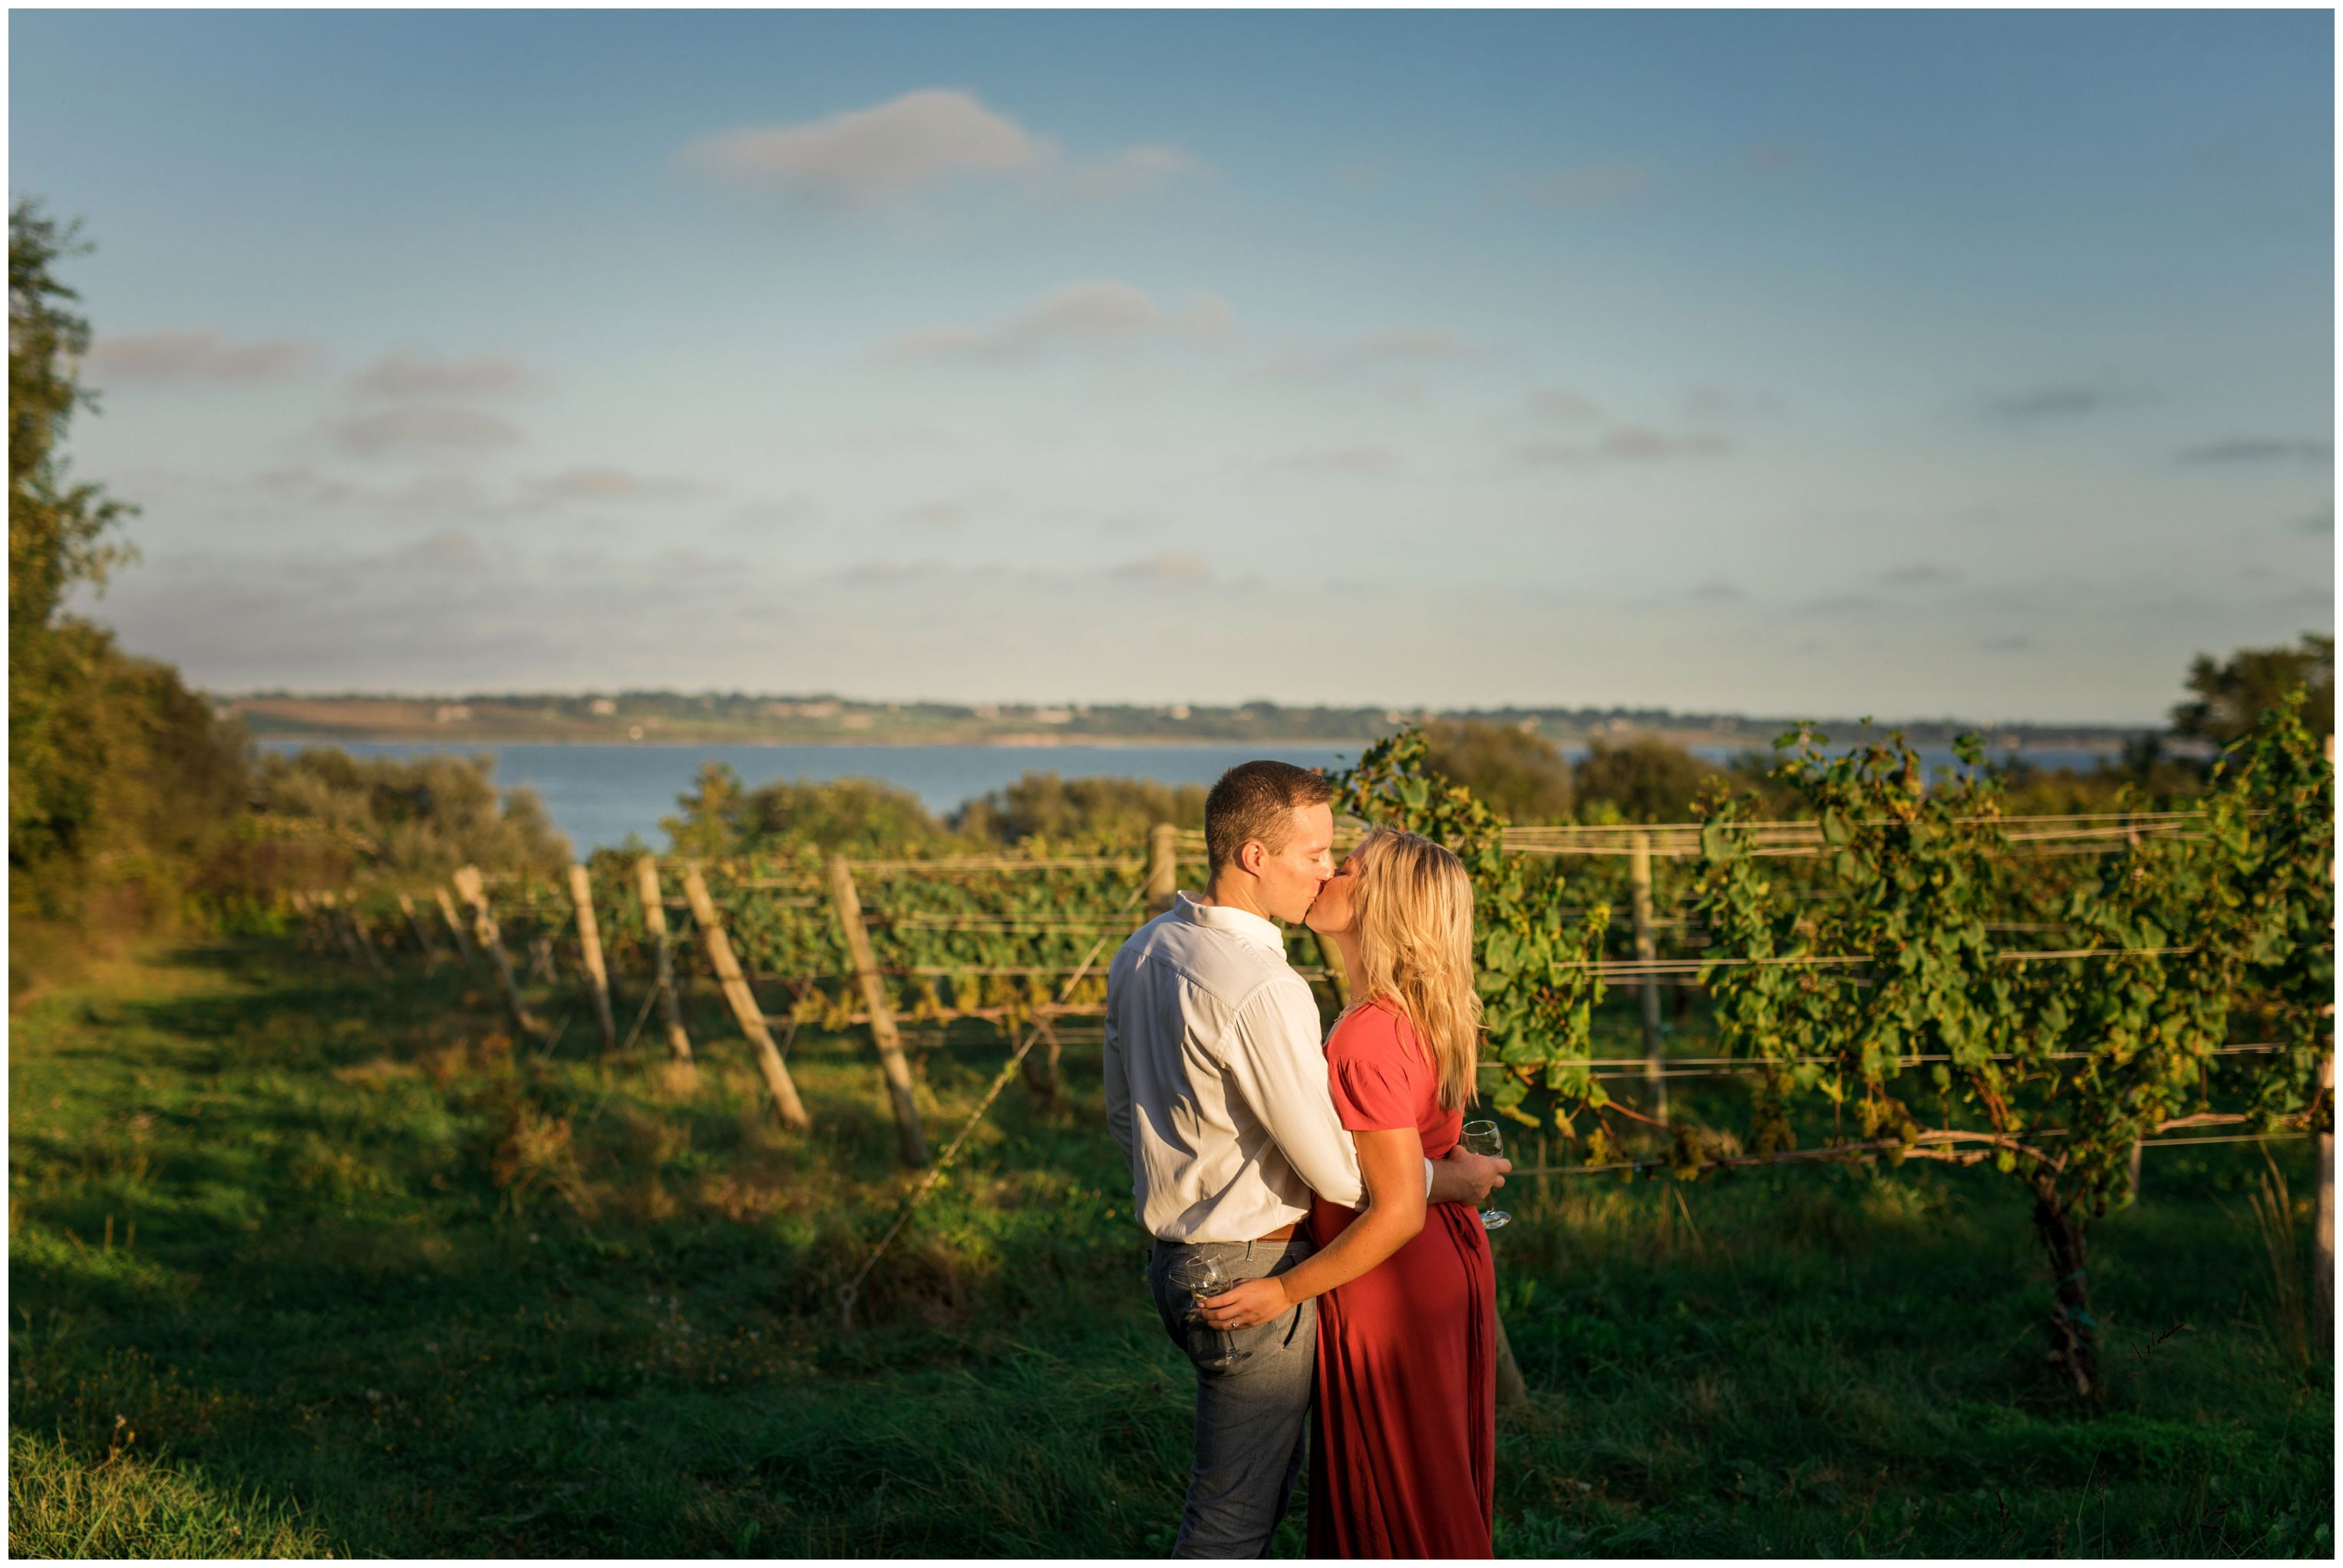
column 380, row 1281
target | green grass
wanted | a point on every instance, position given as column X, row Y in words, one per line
column 397, row 1286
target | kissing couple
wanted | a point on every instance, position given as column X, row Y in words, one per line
column 1316, row 1245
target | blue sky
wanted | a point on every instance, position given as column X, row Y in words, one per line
column 1962, row 363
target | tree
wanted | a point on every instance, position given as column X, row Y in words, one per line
column 722, row 817
column 1517, row 773
column 120, row 778
column 2232, row 696
column 1648, row 779
column 1044, row 805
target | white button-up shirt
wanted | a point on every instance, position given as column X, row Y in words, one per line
column 1216, row 1078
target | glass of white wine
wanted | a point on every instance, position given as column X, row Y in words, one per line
column 1201, row 1275
column 1481, row 1137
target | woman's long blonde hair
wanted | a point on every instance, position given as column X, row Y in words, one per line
column 1413, row 911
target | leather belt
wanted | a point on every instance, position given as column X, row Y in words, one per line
column 1282, row 1233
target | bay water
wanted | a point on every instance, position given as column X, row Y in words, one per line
column 598, row 794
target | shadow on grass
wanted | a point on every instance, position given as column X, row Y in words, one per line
column 402, row 1284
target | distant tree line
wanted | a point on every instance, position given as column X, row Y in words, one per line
column 1521, row 775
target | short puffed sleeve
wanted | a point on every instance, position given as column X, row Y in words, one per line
column 1369, row 1074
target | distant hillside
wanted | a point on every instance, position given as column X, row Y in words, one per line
column 741, row 719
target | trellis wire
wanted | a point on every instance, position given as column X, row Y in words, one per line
column 852, row 1288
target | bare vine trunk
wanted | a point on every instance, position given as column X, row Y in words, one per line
column 2074, row 1342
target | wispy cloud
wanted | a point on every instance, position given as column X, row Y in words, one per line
column 1918, row 576
column 601, row 482
column 1127, row 173
column 2058, row 401
column 2260, row 449
column 2319, row 523
column 1555, row 403
column 398, row 376
column 425, row 429
column 191, row 359
column 889, row 152
column 937, row 513
column 1099, row 314
column 1589, row 185
column 1341, row 462
column 1402, row 348
column 1624, row 443
column 1716, row 590
column 1170, row 568
column 888, row 149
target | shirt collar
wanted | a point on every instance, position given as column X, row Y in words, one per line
column 1242, row 924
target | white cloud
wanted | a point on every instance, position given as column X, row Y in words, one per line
column 191, row 359
column 1095, row 314
column 888, row 149
column 396, row 375
column 890, row 152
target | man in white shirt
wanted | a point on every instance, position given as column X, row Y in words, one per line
column 1216, row 1092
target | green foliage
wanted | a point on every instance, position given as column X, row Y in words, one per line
column 335, row 1332
column 1849, row 982
column 323, row 818
column 1042, row 805
column 1536, row 977
column 2231, row 696
column 1517, row 773
column 1643, row 778
column 721, row 816
column 120, row 779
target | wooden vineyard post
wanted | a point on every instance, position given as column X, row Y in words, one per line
column 589, row 943
column 647, row 887
column 743, row 1001
column 338, row 923
column 484, row 932
column 1163, row 869
column 1639, row 886
column 848, row 905
column 1513, row 1389
column 423, row 937
column 366, row 949
column 455, row 930
column 2322, row 1217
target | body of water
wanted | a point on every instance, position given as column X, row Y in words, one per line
column 598, row 794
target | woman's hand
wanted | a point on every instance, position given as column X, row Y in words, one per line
column 1250, row 1304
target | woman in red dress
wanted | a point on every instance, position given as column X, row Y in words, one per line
column 1405, row 1425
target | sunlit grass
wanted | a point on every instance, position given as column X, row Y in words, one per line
column 300, row 1263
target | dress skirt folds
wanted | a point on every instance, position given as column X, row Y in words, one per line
column 1404, row 1436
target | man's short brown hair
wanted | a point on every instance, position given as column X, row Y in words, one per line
column 1257, row 800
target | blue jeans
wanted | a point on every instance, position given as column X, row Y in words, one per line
column 1252, row 1419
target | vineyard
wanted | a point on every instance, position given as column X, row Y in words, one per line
column 679, row 1208
column 2050, row 995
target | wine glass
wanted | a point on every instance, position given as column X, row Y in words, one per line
column 1481, row 1137
column 1201, row 1275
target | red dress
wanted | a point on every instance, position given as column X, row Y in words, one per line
column 1406, row 1420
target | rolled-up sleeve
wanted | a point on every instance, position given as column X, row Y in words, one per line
column 1275, row 1062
